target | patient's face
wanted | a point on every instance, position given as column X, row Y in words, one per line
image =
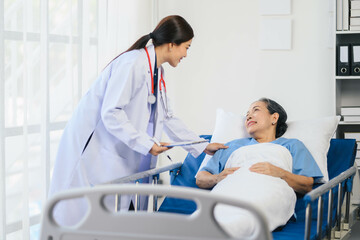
column 258, row 118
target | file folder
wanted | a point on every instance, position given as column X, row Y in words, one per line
column 355, row 60
column 343, row 65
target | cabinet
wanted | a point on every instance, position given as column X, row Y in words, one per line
column 347, row 87
column 347, row 69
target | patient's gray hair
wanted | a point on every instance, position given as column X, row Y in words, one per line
column 274, row 107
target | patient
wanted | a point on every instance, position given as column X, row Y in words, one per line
column 265, row 170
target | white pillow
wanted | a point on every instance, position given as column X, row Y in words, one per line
column 228, row 126
column 315, row 134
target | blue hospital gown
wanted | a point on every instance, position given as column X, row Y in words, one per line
column 303, row 162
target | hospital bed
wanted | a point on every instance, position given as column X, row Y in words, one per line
column 331, row 223
column 187, row 212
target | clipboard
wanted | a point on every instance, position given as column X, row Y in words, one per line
column 186, row 143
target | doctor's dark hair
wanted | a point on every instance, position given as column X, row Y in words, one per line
column 274, row 107
column 171, row 29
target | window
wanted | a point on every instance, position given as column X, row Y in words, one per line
column 49, row 56
column 50, row 53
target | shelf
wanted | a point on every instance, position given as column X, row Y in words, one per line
column 347, row 77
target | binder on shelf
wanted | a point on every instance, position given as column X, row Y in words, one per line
column 354, row 27
column 355, row 60
column 354, row 21
column 354, row 12
column 347, row 110
column 352, row 119
column 355, row 4
column 343, row 65
column 352, row 135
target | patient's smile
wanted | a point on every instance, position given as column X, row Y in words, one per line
column 250, row 123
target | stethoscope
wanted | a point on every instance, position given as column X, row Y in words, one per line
column 151, row 97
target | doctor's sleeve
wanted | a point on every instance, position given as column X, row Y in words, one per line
column 177, row 131
column 120, row 88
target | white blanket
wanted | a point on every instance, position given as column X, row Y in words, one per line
column 271, row 195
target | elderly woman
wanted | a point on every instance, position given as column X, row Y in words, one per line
column 265, row 170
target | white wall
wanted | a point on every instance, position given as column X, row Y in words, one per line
column 122, row 22
column 225, row 67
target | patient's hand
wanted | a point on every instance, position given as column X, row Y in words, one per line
column 211, row 148
column 205, row 179
column 225, row 172
column 267, row 169
column 300, row 184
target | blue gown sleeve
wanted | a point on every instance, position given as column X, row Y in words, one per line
column 216, row 164
column 303, row 162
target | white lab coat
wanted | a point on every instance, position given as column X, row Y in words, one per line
column 116, row 112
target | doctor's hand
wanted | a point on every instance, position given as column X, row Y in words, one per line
column 156, row 150
column 211, row 148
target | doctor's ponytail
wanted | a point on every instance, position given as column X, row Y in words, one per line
column 171, row 29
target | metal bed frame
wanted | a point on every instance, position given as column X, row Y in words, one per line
column 344, row 183
column 135, row 178
column 100, row 224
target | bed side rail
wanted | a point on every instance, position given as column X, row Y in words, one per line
column 154, row 173
column 99, row 222
column 344, row 183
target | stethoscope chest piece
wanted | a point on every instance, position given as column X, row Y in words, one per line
column 151, row 99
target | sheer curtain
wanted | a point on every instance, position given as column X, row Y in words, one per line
column 50, row 53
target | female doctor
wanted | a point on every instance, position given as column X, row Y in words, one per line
column 110, row 134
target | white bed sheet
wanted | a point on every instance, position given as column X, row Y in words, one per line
column 271, row 195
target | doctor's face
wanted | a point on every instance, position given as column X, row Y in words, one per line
column 178, row 52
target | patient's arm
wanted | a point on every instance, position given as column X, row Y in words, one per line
column 299, row 183
column 205, row 179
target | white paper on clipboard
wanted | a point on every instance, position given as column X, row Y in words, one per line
column 179, row 144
